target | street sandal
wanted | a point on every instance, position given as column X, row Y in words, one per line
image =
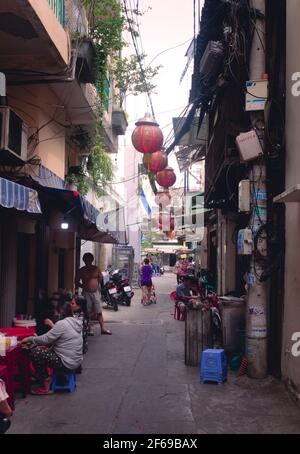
column 106, row 331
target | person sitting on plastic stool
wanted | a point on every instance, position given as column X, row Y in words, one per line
column 5, row 410
column 183, row 294
column 65, row 354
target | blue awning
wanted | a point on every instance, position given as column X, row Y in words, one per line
column 88, row 210
column 14, row 195
column 48, row 179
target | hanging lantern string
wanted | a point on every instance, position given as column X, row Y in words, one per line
column 135, row 44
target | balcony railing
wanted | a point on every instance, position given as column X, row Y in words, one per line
column 58, row 7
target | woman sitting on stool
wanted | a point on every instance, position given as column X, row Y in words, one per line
column 65, row 354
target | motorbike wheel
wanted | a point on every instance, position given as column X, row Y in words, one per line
column 115, row 306
column 128, row 302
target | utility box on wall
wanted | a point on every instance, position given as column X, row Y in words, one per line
column 249, row 145
column 257, row 95
column 244, row 196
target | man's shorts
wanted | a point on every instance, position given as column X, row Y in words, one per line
column 93, row 301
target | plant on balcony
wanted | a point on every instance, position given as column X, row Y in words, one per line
column 82, row 138
column 99, row 168
column 131, row 79
column 107, row 21
column 97, row 172
column 78, row 182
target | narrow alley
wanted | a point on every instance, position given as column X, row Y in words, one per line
column 135, row 382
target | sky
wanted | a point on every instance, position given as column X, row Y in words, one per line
column 167, row 24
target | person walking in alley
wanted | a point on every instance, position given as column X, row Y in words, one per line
column 89, row 278
column 146, row 282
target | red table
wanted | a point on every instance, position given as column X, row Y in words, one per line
column 17, row 363
column 8, row 385
column 19, row 332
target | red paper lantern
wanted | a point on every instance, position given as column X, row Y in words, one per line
column 155, row 162
column 166, row 231
column 147, row 136
column 166, row 222
column 163, row 198
column 166, row 177
column 171, row 235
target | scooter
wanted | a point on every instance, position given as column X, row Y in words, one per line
column 109, row 295
column 124, row 290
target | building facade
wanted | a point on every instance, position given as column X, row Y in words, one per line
column 48, row 113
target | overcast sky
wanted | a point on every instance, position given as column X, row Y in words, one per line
column 169, row 23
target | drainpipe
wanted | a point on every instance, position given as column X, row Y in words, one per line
column 257, row 290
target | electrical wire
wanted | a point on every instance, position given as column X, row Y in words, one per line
column 168, row 49
column 194, row 18
column 138, row 56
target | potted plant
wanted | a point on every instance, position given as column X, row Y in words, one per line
column 119, row 121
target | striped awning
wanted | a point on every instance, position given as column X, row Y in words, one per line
column 14, row 195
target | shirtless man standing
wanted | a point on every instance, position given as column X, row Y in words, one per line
column 89, row 278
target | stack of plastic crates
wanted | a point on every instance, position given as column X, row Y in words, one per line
column 213, row 366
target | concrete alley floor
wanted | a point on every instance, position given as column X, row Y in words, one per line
column 135, row 382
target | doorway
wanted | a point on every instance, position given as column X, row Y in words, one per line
column 23, row 270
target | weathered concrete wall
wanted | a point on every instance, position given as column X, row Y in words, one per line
column 53, row 28
column 226, row 254
column 41, row 109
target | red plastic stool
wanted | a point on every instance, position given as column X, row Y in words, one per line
column 178, row 315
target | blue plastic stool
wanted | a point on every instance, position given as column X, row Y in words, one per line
column 213, row 366
column 64, row 381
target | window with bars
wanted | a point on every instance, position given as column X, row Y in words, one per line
column 58, row 7
column 107, row 94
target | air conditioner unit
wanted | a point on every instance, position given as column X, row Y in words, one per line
column 13, row 138
column 212, row 59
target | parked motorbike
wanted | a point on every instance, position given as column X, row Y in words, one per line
column 110, row 295
column 124, row 290
column 207, row 281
